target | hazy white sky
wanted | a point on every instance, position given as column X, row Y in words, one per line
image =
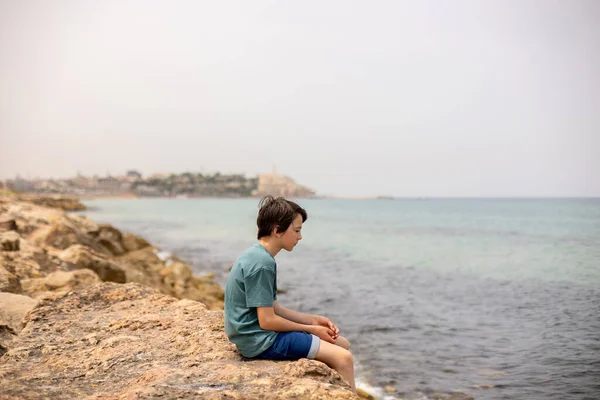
column 405, row 98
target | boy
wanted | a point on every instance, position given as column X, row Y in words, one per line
column 254, row 320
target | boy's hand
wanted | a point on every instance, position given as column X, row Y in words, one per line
column 324, row 333
column 324, row 321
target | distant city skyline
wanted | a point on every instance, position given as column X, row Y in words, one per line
column 124, row 172
column 406, row 99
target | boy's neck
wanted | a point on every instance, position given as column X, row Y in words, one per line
column 270, row 245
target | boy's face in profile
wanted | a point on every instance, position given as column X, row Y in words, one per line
column 292, row 235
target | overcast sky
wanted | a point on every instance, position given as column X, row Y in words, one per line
column 405, row 98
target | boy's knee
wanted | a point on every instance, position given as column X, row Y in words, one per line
column 347, row 344
column 343, row 342
column 346, row 360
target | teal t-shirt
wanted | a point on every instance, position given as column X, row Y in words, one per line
column 252, row 283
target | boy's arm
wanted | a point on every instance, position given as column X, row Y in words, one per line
column 306, row 319
column 268, row 320
column 260, row 287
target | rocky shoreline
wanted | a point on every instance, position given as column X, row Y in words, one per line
column 87, row 311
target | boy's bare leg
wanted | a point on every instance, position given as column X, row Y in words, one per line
column 342, row 342
column 339, row 359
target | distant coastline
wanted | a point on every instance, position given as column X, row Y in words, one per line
column 186, row 185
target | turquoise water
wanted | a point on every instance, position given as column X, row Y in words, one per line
column 434, row 294
column 541, row 239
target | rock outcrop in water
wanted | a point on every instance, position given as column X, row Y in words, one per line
column 88, row 312
column 63, row 203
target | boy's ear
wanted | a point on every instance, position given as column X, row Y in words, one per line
column 276, row 231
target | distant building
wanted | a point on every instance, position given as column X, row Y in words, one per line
column 83, row 182
column 20, row 185
column 133, row 175
column 159, row 176
column 109, row 183
column 280, row 185
column 149, row 191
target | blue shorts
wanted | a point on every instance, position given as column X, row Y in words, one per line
column 292, row 346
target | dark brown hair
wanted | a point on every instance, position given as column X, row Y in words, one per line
column 277, row 213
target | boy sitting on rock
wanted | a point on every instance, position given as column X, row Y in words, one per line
column 254, row 320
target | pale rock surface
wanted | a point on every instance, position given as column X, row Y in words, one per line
column 114, row 341
column 13, row 307
column 79, row 256
column 132, row 242
column 10, row 241
column 59, row 282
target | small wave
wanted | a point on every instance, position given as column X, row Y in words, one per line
column 376, row 391
column 371, row 329
column 164, row 256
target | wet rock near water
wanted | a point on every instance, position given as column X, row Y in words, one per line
column 110, row 238
column 132, row 242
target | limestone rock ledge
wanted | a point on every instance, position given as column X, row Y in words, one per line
column 37, row 241
column 129, row 341
column 64, row 203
